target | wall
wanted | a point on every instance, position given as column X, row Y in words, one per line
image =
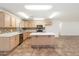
column 54, row 28
column 70, row 28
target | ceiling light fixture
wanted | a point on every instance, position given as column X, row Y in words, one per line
column 54, row 14
column 38, row 7
column 22, row 14
column 38, row 18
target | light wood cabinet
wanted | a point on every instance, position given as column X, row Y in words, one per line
column 7, row 20
column 12, row 42
column 26, row 35
column 28, row 24
column 4, row 19
column 22, row 24
column 4, row 44
column 8, row 43
column 1, row 19
column 16, row 40
column 13, row 21
column 43, row 41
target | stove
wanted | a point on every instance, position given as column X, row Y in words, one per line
column 40, row 28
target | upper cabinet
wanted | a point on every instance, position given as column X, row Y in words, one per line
column 13, row 21
column 8, row 20
column 1, row 19
column 22, row 24
column 4, row 19
column 28, row 23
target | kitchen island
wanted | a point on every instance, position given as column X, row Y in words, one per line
column 42, row 40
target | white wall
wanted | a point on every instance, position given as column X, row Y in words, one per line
column 54, row 28
column 64, row 28
column 70, row 28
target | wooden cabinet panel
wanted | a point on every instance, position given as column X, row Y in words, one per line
column 44, row 40
column 8, row 43
column 4, row 44
column 7, row 20
column 13, row 21
column 22, row 24
column 28, row 23
column 26, row 35
column 17, row 40
column 1, row 19
column 12, row 42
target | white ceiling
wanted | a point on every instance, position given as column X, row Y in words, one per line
column 68, row 11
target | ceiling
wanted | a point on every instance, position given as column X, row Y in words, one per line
column 68, row 11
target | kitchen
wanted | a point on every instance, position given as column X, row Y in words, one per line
column 38, row 27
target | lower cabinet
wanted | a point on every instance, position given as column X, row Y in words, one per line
column 4, row 44
column 8, row 43
column 14, row 41
column 26, row 35
column 17, row 40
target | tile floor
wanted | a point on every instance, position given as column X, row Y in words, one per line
column 66, row 46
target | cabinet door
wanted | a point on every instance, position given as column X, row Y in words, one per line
column 24, row 36
column 22, row 24
column 26, row 24
column 18, row 22
column 12, row 42
column 4, row 44
column 17, row 40
column 13, row 21
column 7, row 20
column 1, row 19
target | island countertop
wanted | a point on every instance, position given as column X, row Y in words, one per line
column 42, row 33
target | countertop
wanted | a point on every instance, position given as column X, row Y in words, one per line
column 9, row 34
column 42, row 33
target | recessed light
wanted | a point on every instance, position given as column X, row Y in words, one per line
column 38, row 7
column 54, row 14
column 22, row 14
